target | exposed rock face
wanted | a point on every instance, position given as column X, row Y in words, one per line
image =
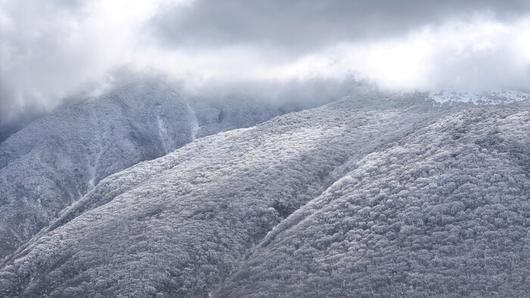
column 373, row 197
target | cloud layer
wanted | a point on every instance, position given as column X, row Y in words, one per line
column 312, row 24
column 51, row 50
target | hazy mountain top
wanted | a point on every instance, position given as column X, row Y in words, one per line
column 485, row 97
column 58, row 158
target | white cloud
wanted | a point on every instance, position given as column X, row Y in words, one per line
column 476, row 55
column 52, row 49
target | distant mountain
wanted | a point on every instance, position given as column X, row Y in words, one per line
column 371, row 196
column 58, row 158
column 491, row 97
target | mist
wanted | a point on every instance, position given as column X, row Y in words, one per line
column 58, row 51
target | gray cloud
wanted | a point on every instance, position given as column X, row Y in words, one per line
column 52, row 50
column 305, row 25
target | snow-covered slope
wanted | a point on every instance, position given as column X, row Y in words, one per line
column 444, row 212
column 361, row 197
column 56, row 160
column 179, row 225
column 492, row 97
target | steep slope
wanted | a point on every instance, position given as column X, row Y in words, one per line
column 179, row 225
column 445, row 212
column 56, row 160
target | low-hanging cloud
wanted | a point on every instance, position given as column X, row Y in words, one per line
column 51, row 50
column 473, row 56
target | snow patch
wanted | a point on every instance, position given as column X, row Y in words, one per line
column 194, row 122
column 94, row 164
column 162, row 131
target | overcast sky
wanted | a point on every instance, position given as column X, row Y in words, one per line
column 51, row 49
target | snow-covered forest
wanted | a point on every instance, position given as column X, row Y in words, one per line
column 264, row 148
column 383, row 195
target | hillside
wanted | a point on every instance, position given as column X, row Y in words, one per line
column 444, row 212
column 57, row 159
column 365, row 197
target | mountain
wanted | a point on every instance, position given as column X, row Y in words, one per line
column 443, row 212
column 365, row 196
column 490, row 97
column 57, row 159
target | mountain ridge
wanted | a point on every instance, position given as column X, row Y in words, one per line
column 221, row 215
column 57, row 159
column 366, row 123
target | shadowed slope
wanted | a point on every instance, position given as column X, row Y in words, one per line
column 57, row 159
